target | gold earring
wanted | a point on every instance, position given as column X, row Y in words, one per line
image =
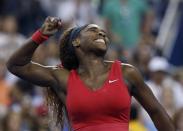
column 76, row 42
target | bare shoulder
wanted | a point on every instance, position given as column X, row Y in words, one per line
column 134, row 78
column 131, row 73
column 128, row 68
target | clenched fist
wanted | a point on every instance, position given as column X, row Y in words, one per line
column 51, row 25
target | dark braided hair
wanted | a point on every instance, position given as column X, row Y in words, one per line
column 69, row 61
column 67, row 54
column 67, row 51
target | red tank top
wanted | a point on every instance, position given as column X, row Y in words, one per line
column 106, row 109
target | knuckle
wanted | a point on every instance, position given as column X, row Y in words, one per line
column 52, row 19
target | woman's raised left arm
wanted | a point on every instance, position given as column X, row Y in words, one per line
column 145, row 97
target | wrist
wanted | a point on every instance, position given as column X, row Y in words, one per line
column 38, row 37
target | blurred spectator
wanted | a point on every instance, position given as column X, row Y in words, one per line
column 29, row 14
column 77, row 12
column 112, row 54
column 10, row 39
column 4, row 90
column 178, row 120
column 116, row 52
column 141, row 57
column 27, row 108
column 135, row 124
column 50, row 6
column 126, row 20
column 174, row 89
column 178, row 75
column 12, row 121
column 168, row 97
column 165, row 89
column 158, row 67
column 52, row 53
column 20, row 121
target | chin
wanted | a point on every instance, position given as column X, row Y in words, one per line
column 99, row 49
column 100, row 52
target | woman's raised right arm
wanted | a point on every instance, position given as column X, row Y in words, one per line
column 20, row 62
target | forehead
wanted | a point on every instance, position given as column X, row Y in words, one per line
column 92, row 26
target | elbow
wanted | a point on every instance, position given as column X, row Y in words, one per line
column 10, row 66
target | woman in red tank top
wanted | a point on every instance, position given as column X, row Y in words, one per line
column 94, row 93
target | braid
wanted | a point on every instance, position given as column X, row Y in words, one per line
column 67, row 53
column 56, row 106
column 69, row 61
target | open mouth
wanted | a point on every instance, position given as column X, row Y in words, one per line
column 100, row 41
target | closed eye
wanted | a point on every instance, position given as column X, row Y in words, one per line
column 95, row 29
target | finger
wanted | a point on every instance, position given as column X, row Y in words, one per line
column 59, row 23
column 55, row 21
column 51, row 32
column 51, row 25
column 52, row 19
column 48, row 19
column 49, row 28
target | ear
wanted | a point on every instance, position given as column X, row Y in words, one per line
column 76, row 42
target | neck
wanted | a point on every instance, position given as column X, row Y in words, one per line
column 92, row 65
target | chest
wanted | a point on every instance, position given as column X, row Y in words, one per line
column 94, row 83
column 110, row 99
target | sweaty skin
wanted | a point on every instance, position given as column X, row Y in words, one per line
column 92, row 70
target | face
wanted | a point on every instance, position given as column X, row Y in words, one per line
column 159, row 76
column 93, row 39
column 10, row 24
column 14, row 121
column 180, row 122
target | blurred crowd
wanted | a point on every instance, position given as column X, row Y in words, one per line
column 145, row 33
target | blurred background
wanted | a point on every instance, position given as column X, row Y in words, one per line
column 145, row 33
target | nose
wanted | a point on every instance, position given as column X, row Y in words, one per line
column 102, row 34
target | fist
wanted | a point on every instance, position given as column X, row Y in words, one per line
column 51, row 25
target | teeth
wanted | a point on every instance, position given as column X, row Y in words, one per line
column 100, row 40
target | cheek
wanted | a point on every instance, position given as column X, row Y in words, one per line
column 89, row 36
column 87, row 40
column 85, row 43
